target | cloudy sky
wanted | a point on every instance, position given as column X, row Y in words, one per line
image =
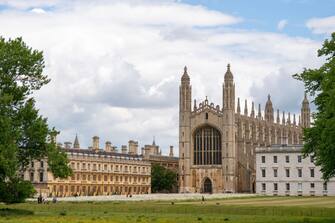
column 116, row 65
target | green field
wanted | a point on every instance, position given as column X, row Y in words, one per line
column 255, row 209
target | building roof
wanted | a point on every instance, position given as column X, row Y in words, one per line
column 280, row 148
column 103, row 153
column 165, row 158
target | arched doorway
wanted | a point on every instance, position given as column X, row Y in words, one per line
column 207, row 187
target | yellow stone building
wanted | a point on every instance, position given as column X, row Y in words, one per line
column 95, row 172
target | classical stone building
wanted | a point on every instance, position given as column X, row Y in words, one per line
column 283, row 170
column 96, row 171
column 217, row 143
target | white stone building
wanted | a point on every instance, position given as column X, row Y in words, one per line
column 282, row 170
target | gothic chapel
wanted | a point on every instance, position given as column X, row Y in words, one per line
column 217, row 145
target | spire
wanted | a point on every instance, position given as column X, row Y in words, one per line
column 283, row 119
column 294, row 122
column 228, row 74
column 195, row 105
column 299, row 122
column 76, row 144
column 289, row 118
column 268, row 110
column 245, row 107
column 238, row 106
column 153, row 141
column 185, row 93
column 252, row 114
column 185, row 77
column 305, row 113
column 305, row 98
column 278, row 118
column 228, row 93
column 259, row 111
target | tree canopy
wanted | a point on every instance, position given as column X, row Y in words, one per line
column 162, row 179
column 319, row 140
column 24, row 134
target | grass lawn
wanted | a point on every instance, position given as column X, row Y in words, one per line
column 242, row 210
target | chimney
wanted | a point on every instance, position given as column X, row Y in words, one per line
column 124, row 149
column 133, row 146
column 95, row 143
column 108, row 146
column 67, row 145
column 171, row 151
column 114, row 149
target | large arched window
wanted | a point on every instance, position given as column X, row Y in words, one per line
column 207, row 146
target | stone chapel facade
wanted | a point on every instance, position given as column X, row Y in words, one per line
column 217, row 145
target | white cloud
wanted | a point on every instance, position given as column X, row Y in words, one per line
column 38, row 11
column 324, row 25
column 115, row 67
column 282, row 24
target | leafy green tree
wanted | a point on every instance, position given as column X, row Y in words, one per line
column 24, row 134
column 162, row 179
column 320, row 83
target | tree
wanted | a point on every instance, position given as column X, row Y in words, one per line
column 162, row 179
column 319, row 140
column 24, row 134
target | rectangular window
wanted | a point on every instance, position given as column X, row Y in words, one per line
column 263, row 186
column 263, row 159
column 41, row 176
column 275, row 186
column 32, row 176
column 312, row 185
column 299, row 186
column 275, row 159
column 312, row 172
column 287, row 171
column 325, row 187
column 287, row 159
column 299, row 172
column 32, row 164
column 275, row 172
column 41, row 164
column 263, row 173
column 287, row 186
column 299, row 158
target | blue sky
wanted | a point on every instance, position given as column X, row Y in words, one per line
column 264, row 15
column 115, row 65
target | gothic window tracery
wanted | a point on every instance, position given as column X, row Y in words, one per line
column 207, row 146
